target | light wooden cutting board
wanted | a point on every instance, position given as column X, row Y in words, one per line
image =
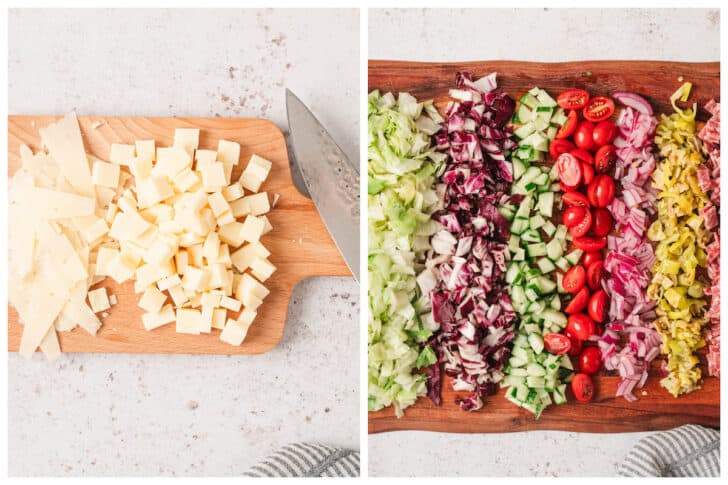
column 656, row 409
column 299, row 243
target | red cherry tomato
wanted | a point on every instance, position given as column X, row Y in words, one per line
column 574, row 279
column 583, row 226
column 598, row 109
column 590, row 360
column 557, row 147
column 601, row 191
column 589, row 258
column 573, row 99
column 587, row 173
column 579, row 302
column 604, row 132
column 556, row 343
column 594, row 273
column 598, row 306
column 584, row 135
column 568, row 128
column 573, row 198
column 604, row 159
column 590, row 244
column 580, row 326
column 576, row 344
column 602, row 221
column 569, row 169
column 583, row 155
column 573, row 215
column 583, row 387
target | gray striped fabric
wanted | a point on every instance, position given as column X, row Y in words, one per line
column 308, row 460
column 687, row 451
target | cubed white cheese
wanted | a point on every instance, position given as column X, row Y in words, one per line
column 141, row 168
column 99, row 300
column 152, row 300
column 218, row 204
column 225, row 218
column 232, row 234
column 213, row 176
column 262, row 269
column 181, row 260
column 228, row 152
column 169, row 282
column 187, row 138
column 252, row 229
column 233, row 192
column 178, row 295
column 155, row 320
column 95, row 231
column 230, row 303
column 258, row 204
column 106, row 174
column 211, row 248
column 171, row 161
column 240, row 207
column 204, row 157
column 145, row 150
column 188, row 321
column 218, row 318
column 234, row 333
column 185, row 180
column 128, row 225
column 121, row 153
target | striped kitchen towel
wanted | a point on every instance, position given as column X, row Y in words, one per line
column 687, row 451
column 308, row 460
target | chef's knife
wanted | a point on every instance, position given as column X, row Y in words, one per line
column 331, row 180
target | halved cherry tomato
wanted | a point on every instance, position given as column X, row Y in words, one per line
column 583, row 226
column 573, row 99
column 568, row 128
column 573, row 215
column 580, row 326
column 587, row 173
column 573, row 198
column 589, row 244
column 584, row 135
column 574, row 279
column 576, row 344
column 569, row 169
column 598, row 306
column 556, row 343
column 601, row 221
column 590, row 258
column 557, row 147
column 590, row 360
column 579, row 302
column 594, row 273
column 598, row 109
column 604, row 132
column 583, row 387
column 604, row 159
column 583, row 155
column 601, row 191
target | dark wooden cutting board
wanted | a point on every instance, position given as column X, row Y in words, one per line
column 656, row 408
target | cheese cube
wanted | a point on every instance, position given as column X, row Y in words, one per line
column 95, row 230
column 121, row 269
column 104, row 195
column 185, row 180
column 189, row 239
column 188, row 321
column 104, row 258
column 162, row 250
column 276, row 197
column 230, row 303
column 218, row 275
column 262, row 269
column 152, row 300
column 225, row 218
column 232, row 234
column 146, row 239
column 228, row 152
column 99, row 300
column 169, row 282
column 111, row 213
column 210, row 299
column 234, row 332
column 187, row 138
column 181, row 260
column 141, row 168
column 218, row 318
column 195, row 255
column 206, row 319
column 250, row 292
column 195, row 279
column 156, row 320
column 243, row 257
column 145, row 275
column 240, row 207
column 171, row 161
column 223, row 256
column 213, row 176
column 252, row 229
column 267, row 227
column 145, row 151
column 204, row 157
column 127, row 204
column 105, row 174
column 247, row 317
column 249, row 181
column 121, row 153
column 154, row 190
column 158, row 213
column 178, row 295
column 128, row 225
column 218, row 204
column 233, row 192
column 259, row 167
column 258, row 204
column 211, row 248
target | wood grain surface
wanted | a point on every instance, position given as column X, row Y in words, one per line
column 299, row 243
column 656, row 408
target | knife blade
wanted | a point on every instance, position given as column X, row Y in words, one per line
column 331, row 179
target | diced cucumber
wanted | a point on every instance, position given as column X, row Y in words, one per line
column 560, row 394
column 531, row 294
column 536, row 249
column 514, row 242
column 545, row 100
column 526, row 129
column 546, row 204
column 535, row 381
column 551, row 132
column 529, row 100
column 518, row 168
column 536, row 342
column 562, row 263
column 519, row 225
column 545, row 285
column 546, row 265
column 566, row 362
column 536, row 139
column 556, row 303
column 574, row 256
column 553, row 250
column 513, row 274
column 519, row 255
column 549, row 228
column 555, row 317
column 531, row 235
column 518, row 372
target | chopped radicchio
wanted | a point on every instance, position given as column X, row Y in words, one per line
column 470, row 301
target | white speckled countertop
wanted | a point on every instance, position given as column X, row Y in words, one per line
column 120, row 414
column 684, row 35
